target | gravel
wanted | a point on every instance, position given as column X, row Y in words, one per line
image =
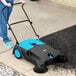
column 7, row 71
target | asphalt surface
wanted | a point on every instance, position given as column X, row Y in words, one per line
column 64, row 41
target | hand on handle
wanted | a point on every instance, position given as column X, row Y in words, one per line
column 5, row 3
column 8, row 5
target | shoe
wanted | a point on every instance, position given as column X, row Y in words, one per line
column 8, row 44
column 8, row 38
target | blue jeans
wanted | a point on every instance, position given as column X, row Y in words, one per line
column 3, row 23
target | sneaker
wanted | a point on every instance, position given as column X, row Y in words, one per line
column 8, row 38
column 8, row 44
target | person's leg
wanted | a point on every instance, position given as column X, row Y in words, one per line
column 0, row 17
column 4, row 32
column 9, row 8
column 0, row 29
column 9, row 12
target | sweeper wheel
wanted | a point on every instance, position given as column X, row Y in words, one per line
column 17, row 54
column 40, row 69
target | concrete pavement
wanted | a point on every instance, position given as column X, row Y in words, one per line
column 47, row 18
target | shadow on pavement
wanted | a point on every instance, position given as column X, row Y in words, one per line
column 65, row 41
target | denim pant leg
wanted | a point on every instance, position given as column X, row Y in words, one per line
column 4, row 31
column 9, row 12
column 0, row 17
column 3, row 23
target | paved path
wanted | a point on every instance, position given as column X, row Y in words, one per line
column 47, row 18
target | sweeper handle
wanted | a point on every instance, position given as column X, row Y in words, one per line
column 18, row 21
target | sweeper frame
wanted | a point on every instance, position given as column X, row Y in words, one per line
column 34, row 50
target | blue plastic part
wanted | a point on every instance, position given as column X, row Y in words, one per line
column 51, row 57
column 17, row 53
column 27, row 44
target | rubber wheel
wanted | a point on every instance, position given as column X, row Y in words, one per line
column 17, row 54
column 40, row 70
